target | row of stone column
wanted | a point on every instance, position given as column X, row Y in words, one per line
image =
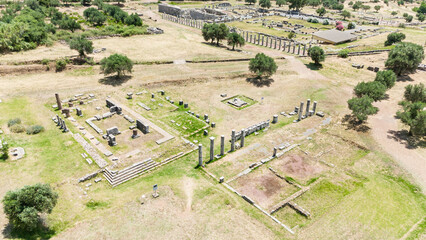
column 308, row 112
column 61, row 123
column 275, row 42
column 185, row 21
column 200, row 150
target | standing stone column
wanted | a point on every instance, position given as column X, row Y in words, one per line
column 58, row 101
column 284, row 45
column 300, row 111
column 314, row 108
column 233, row 140
column 298, row 49
column 289, row 45
column 275, row 46
column 243, row 134
column 308, row 103
column 251, row 38
column 222, row 145
column 279, row 45
column 258, row 39
column 275, row 152
column 211, row 148
column 200, row 155
column 275, row 119
column 304, row 49
column 263, row 38
column 294, row 47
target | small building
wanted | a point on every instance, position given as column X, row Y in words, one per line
column 334, row 36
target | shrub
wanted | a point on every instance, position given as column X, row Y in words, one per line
column 31, row 130
column 309, row 20
column 45, row 61
column 17, row 128
column 374, row 90
column 343, row 53
column 14, row 121
column 314, row 20
column 340, row 27
column 4, row 151
column 325, row 22
column 60, row 65
column 387, row 78
column 394, row 38
column 351, row 25
column 362, row 107
column 401, row 25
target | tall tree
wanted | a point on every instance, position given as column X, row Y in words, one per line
column 221, row 33
column 346, row 14
column 116, row 63
column 405, row 58
column 317, row 54
column 251, row 2
column 265, row 3
column 297, row 4
column 280, row 2
column 321, row 11
column 22, row 207
column 208, row 31
column 235, row 39
column 82, row 45
column 262, row 65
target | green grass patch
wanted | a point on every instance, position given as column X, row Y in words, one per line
column 88, row 71
column 249, row 101
column 93, row 205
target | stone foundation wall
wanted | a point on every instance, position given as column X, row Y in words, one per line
column 168, row 9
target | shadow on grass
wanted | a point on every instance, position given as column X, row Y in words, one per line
column 313, row 66
column 352, row 123
column 260, row 82
column 215, row 45
column 41, row 232
column 114, row 80
column 410, row 142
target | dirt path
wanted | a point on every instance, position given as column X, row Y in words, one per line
column 188, row 188
column 384, row 128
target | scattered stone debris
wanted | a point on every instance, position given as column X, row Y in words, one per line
column 155, row 30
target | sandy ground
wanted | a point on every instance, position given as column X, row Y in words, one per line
column 385, row 128
column 168, row 217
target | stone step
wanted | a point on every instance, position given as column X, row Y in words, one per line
column 135, row 171
column 136, row 165
column 133, row 176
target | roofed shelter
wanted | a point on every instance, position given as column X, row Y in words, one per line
column 334, row 36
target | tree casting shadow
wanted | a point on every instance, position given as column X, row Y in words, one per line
column 313, row 66
column 42, row 232
column 404, row 78
column 260, row 82
column 352, row 123
column 410, row 142
column 114, row 80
